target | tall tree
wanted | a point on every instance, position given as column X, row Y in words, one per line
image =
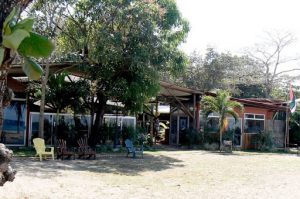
column 221, row 71
column 270, row 54
column 123, row 45
column 222, row 105
column 49, row 14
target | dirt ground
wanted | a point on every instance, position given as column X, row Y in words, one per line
column 163, row 174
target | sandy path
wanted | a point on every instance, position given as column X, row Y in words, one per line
column 170, row 174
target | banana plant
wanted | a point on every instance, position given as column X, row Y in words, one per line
column 18, row 36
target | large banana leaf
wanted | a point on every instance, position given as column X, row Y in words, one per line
column 33, row 70
column 25, row 24
column 36, row 46
column 8, row 19
column 1, row 55
column 14, row 40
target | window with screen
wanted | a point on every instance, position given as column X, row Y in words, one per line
column 254, row 123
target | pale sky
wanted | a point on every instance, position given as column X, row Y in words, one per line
column 232, row 25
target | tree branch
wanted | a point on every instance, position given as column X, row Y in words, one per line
column 286, row 71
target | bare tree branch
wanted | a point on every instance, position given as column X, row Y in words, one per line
column 286, row 71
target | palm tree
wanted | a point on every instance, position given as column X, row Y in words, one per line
column 222, row 105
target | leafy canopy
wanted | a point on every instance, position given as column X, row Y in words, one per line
column 125, row 43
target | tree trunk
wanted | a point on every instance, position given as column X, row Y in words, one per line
column 3, row 84
column 100, row 110
column 98, row 120
column 268, row 90
column 6, row 172
column 56, row 125
column 42, row 104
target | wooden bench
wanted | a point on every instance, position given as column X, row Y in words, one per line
column 63, row 151
column 84, row 150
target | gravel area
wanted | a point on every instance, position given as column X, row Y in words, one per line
column 163, row 174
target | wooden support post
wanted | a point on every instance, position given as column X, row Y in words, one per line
column 170, row 126
column 151, row 124
column 27, row 140
column 286, row 128
column 177, row 136
column 194, row 110
column 198, row 112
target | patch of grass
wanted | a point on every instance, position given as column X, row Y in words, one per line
column 24, row 152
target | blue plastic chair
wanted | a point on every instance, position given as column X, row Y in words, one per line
column 131, row 149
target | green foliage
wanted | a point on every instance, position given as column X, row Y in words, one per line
column 295, row 128
column 264, row 141
column 209, row 137
column 36, row 46
column 250, row 91
column 18, row 36
column 137, row 135
column 1, row 54
column 228, row 135
column 211, row 147
column 216, row 70
column 25, row 24
column 32, row 69
column 14, row 39
column 125, row 44
column 129, row 133
column 190, row 137
column 76, row 93
column 24, row 152
column 149, row 141
column 222, row 105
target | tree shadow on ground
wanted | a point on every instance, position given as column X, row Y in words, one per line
column 105, row 163
column 224, row 153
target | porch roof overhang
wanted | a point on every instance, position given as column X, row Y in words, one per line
column 272, row 105
column 167, row 90
column 171, row 90
column 17, row 71
column 15, row 85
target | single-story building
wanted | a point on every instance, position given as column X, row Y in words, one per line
column 20, row 122
column 259, row 115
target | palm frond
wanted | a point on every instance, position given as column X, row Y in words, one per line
column 233, row 114
column 234, row 104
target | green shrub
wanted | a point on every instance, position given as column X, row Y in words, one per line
column 211, row 147
column 190, row 137
column 129, row 133
column 137, row 135
column 264, row 141
column 209, row 137
column 149, row 140
column 228, row 135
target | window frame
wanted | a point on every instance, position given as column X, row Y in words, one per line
column 255, row 119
